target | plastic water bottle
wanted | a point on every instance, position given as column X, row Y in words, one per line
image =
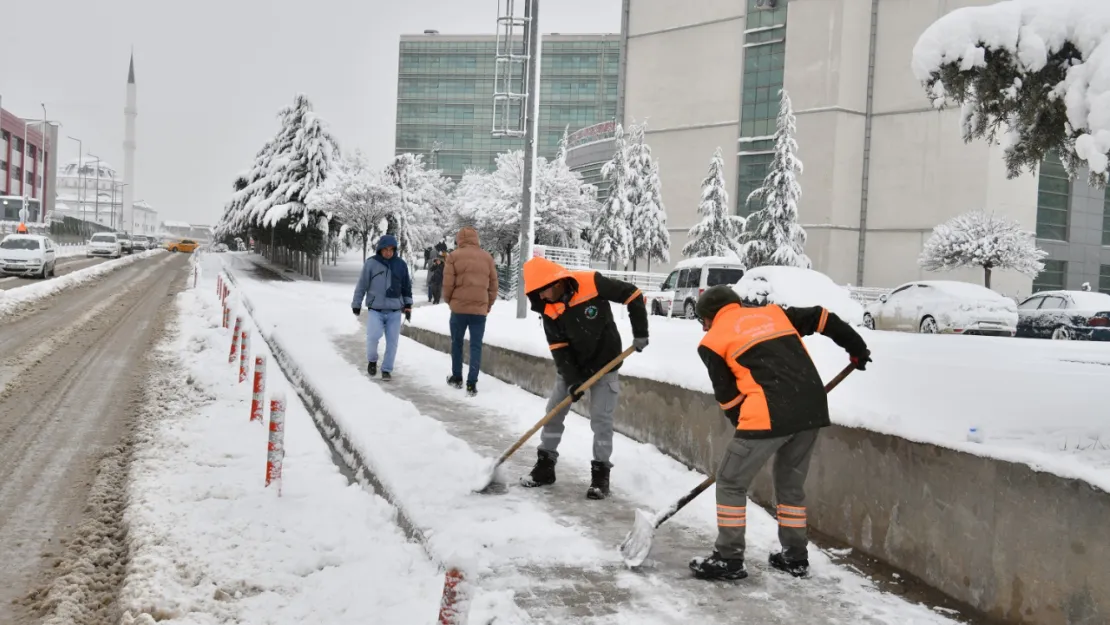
column 975, row 435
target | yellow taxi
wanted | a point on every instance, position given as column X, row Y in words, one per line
column 187, row 246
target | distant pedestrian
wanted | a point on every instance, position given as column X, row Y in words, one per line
column 435, row 280
column 427, row 257
column 469, row 288
column 387, row 289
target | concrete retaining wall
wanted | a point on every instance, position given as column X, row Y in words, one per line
column 1019, row 545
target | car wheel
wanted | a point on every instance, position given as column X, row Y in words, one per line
column 1062, row 333
column 928, row 326
column 868, row 321
column 689, row 310
column 173, row 249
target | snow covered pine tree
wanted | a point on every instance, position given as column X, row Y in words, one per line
column 718, row 232
column 1030, row 70
column 357, row 196
column 648, row 223
column 978, row 239
column 610, row 235
column 772, row 235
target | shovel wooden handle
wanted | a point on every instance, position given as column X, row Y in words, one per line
column 563, row 404
column 707, row 482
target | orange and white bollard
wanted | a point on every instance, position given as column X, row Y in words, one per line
column 257, row 407
column 227, row 316
column 275, row 451
column 234, row 338
column 196, row 272
column 453, row 607
column 219, row 285
column 244, row 341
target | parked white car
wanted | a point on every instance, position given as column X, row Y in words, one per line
column 795, row 287
column 679, row 293
column 28, row 255
column 944, row 307
column 104, row 244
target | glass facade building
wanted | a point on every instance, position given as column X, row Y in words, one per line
column 445, row 95
column 764, row 64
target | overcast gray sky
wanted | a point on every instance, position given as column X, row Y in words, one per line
column 212, row 75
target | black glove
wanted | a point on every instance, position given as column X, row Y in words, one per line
column 357, row 311
column 408, row 315
column 861, row 358
column 574, row 393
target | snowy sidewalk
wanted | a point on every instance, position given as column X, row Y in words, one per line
column 552, row 552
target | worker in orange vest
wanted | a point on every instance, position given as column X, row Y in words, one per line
column 22, row 229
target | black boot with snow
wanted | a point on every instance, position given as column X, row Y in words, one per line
column 472, row 388
column 372, row 368
column 715, row 567
column 454, row 382
column 797, row 568
column 386, row 376
column 543, row 474
column 599, row 481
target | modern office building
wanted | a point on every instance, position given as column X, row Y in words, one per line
column 32, row 179
column 445, row 95
column 882, row 166
column 588, row 150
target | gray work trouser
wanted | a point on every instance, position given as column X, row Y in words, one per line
column 742, row 462
column 603, row 402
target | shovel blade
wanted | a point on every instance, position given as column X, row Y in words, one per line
column 491, row 481
column 637, row 545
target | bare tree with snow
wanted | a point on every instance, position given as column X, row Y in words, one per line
column 718, row 232
column 648, row 221
column 979, row 239
column 610, row 234
column 772, row 235
column 358, row 197
column 1031, row 73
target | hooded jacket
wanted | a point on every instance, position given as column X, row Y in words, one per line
column 580, row 330
column 762, row 375
column 469, row 276
column 385, row 283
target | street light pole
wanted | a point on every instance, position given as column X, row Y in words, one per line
column 42, row 157
column 80, row 180
column 96, row 212
column 531, row 108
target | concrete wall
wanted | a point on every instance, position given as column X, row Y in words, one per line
column 1016, row 544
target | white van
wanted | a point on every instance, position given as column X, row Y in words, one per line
column 680, row 291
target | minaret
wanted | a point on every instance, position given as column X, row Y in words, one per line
column 130, row 112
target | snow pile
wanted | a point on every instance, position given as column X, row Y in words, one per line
column 927, row 388
column 210, row 544
column 12, row 298
column 1034, row 33
column 796, row 287
column 1090, row 302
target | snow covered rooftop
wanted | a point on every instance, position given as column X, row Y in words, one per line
column 88, row 168
column 175, row 224
column 708, row 260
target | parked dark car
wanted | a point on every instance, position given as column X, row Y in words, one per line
column 1065, row 316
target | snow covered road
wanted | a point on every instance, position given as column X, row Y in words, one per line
column 72, row 366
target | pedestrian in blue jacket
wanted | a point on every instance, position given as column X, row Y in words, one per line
column 386, row 287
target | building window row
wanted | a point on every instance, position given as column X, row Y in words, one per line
column 764, row 67
column 1106, row 219
column 1053, row 199
column 1053, row 276
column 1104, row 279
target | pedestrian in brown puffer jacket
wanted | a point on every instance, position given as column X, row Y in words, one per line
column 469, row 288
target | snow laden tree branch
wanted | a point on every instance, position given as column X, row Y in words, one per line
column 718, row 232
column 772, row 235
column 1033, row 74
column 648, row 219
column 422, row 205
column 610, row 230
column 979, row 239
column 358, row 197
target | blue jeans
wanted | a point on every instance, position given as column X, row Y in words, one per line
column 459, row 325
column 389, row 324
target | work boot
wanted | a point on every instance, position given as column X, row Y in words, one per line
column 543, row 474
column 797, row 568
column 472, row 388
column 599, row 481
column 372, row 368
column 386, row 376
column 715, row 567
column 453, row 381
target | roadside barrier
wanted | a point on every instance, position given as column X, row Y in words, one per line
column 234, row 337
column 219, row 285
column 244, row 342
column 227, row 316
column 257, row 406
column 275, row 450
column 454, row 607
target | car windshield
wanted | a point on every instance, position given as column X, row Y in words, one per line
column 718, row 276
column 19, row 243
column 103, row 238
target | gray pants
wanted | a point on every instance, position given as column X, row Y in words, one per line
column 603, row 402
column 742, row 462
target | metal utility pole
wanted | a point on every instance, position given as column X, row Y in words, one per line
column 509, row 68
column 80, row 179
column 96, row 213
column 42, row 157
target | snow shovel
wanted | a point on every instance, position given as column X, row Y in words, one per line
column 637, row 544
column 568, row 400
